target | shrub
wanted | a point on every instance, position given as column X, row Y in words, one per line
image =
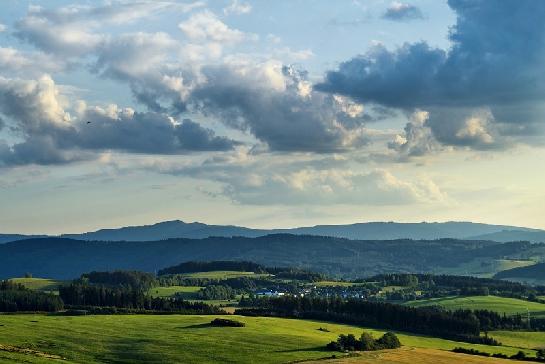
column 227, row 323
column 388, row 341
column 366, row 342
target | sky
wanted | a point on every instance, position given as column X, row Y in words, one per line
column 270, row 113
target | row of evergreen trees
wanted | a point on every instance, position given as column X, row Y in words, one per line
column 15, row 298
column 84, row 295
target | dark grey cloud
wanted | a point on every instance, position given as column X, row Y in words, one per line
column 287, row 119
column 51, row 136
column 272, row 102
column 398, row 11
column 147, row 132
column 493, row 67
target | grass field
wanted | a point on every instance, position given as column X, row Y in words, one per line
column 186, row 292
column 486, row 268
column 334, row 284
column 509, row 306
column 223, row 274
column 522, row 339
column 39, row 284
column 182, row 339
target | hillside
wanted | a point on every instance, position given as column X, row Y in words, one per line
column 6, row 238
column 360, row 231
column 534, row 272
column 509, row 306
column 513, row 235
column 66, row 258
column 189, row 339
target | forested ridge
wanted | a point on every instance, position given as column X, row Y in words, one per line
column 68, row 259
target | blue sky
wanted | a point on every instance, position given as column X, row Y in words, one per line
column 270, row 113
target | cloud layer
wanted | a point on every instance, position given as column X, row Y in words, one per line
column 484, row 91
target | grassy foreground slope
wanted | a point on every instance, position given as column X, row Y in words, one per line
column 505, row 305
column 185, row 339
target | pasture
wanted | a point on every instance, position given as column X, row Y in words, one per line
column 522, row 339
column 39, row 284
column 185, row 292
column 182, row 339
column 509, row 306
column 223, row 274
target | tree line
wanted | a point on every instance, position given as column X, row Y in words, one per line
column 461, row 325
column 15, row 298
column 84, row 295
column 366, row 342
column 129, row 279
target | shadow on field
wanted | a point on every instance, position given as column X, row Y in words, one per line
column 128, row 350
column 313, row 348
column 197, row 326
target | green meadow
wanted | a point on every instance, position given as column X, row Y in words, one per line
column 223, row 274
column 522, row 339
column 185, row 292
column 39, row 284
column 182, row 339
column 509, row 306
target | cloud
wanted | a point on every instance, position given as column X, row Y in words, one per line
column 74, row 30
column 50, row 135
column 417, row 139
column 277, row 105
column 207, row 27
column 14, row 61
column 237, row 7
column 259, row 180
column 3, row 28
column 274, row 103
column 149, row 132
column 398, row 11
column 493, row 69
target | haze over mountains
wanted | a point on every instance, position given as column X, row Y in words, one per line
column 365, row 231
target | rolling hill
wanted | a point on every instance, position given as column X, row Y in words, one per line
column 62, row 258
column 191, row 339
column 534, row 273
column 513, row 235
column 509, row 306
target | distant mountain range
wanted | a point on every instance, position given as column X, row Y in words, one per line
column 6, row 238
column 363, row 231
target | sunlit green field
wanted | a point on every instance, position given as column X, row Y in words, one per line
column 486, row 268
column 186, row 292
column 39, row 284
column 509, row 306
column 223, row 274
column 523, row 339
column 182, row 339
column 334, row 284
